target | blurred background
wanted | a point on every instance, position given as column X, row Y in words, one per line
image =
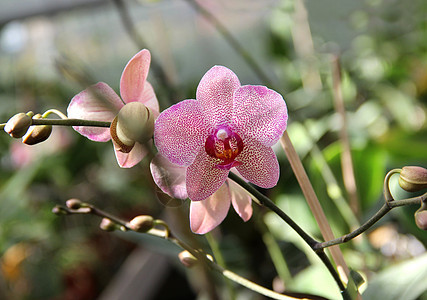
column 51, row 50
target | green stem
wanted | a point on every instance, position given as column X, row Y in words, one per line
column 264, row 200
column 216, row 251
column 90, row 209
column 375, row 218
column 389, row 204
column 56, row 112
column 71, row 122
column 67, row 122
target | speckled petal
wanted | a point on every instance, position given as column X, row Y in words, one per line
column 207, row 214
column 259, row 164
column 260, row 113
column 203, row 178
column 128, row 160
column 180, row 132
column 134, row 76
column 170, row 178
column 215, row 92
column 99, row 103
column 241, row 200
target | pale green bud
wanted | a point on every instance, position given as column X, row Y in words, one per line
column 134, row 123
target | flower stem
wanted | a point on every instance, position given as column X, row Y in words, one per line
column 86, row 208
column 56, row 112
column 264, row 200
column 389, row 204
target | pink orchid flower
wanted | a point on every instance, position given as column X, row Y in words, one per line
column 207, row 214
column 227, row 126
column 100, row 103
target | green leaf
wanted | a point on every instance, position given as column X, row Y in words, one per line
column 406, row 280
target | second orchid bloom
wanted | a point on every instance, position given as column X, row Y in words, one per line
column 132, row 115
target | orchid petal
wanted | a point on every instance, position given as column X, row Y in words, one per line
column 180, row 132
column 128, row 160
column 203, row 177
column 207, row 214
column 240, row 200
column 170, row 178
column 215, row 93
column 134, row 76
column 260, row 113
column 149, row 99
column 259, row 164
column 98, row 103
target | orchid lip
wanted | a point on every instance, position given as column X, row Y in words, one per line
column 225, row 145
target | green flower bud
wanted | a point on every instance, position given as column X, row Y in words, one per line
column 134, row 123
column 141, row 223
column 413, row 178
column 18, row 125
column 37, row 134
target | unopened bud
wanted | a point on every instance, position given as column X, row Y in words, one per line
column 74, row 203
column 413, row 178
column 141, row 223
column 58, row 210
column 187, row 259
column 38, row 133
column 107, row 225
column 134, row 123
column 421, row 219
column 18, row 125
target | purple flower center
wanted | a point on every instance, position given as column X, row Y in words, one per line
column 225, row 145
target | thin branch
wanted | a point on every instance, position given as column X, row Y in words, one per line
column 387, row 207
column 264, row 200
column 66, row 122
column 85, row 208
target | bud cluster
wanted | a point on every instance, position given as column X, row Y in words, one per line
column 20, row 126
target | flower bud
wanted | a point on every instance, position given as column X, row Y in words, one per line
column 74, row 203
column 421, row 218
column 413, row 178
column 141, row 223
column 58, row 210
column 107, row 225
column 187, row 259
column 18, row 125
column 134, row 123
column 37, row 134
